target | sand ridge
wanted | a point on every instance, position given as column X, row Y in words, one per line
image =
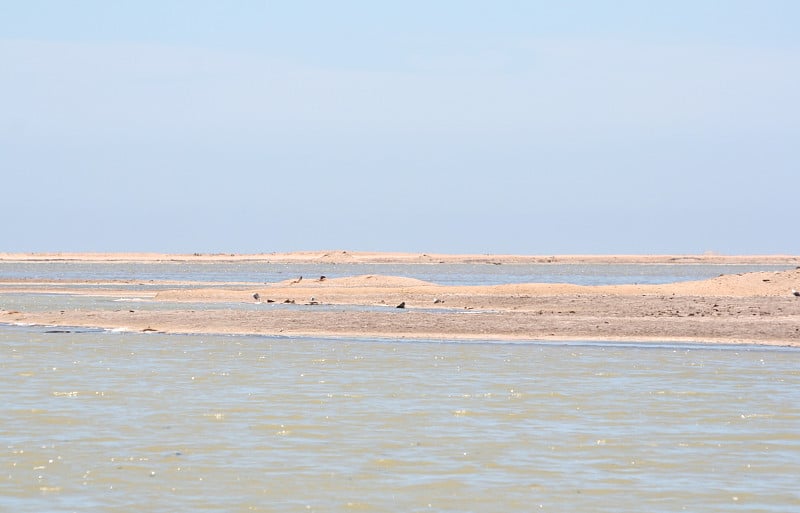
column 743, row 308
column 344, row 256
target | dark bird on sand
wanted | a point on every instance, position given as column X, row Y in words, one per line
column 256, row 296
column 401, row 305
column 795, row 293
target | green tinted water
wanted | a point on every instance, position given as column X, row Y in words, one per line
column 98, row 421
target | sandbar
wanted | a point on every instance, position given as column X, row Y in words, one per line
column 366, row 257
column 749, row 308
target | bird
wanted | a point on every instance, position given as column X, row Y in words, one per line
column 795, row 293
column 401, row 305
column 256, row 296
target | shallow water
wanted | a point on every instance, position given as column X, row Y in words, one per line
column 99, row 421
column 140, row 274
column 102, row 421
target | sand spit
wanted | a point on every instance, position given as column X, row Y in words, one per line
column 365, row 257
column 746, row 308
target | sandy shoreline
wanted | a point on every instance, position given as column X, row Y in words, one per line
column 739, row 308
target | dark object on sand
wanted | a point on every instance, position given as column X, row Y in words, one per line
column 795, row 293
column 256, row 296
column 401, row 305
column 322, row 278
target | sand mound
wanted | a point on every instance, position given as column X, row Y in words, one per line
column 367, row 280
column 748, row 284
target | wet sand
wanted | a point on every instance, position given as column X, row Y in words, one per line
column 752, row 308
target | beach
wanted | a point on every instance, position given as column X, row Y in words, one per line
column 750, row 308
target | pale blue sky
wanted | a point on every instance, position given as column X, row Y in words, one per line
column 451, row 126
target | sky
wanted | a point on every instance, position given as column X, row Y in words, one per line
column 504, row 127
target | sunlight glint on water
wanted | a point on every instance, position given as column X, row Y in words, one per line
column 122, row 422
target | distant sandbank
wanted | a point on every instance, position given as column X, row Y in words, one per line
column 343, row 256
column 749, row 308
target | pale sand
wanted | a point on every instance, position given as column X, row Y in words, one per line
column 342, row 256
column 749, row 308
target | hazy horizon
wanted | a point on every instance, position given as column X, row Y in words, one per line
column 446, row 127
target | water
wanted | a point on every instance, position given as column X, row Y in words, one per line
column 140, row 274
column 120, row 421
column 116, row 422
